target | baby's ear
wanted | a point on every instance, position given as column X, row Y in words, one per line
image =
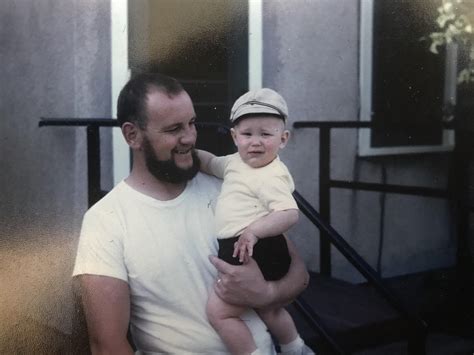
column 284, row 138
column 234, row 135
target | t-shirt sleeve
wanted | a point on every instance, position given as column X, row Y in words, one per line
column 276, row 193
column 217, row 165
column 100, row 249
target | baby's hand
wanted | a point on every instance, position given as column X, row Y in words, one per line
column 244, row 245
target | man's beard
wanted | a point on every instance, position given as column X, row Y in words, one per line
column 167, row 170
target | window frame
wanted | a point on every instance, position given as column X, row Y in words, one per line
column 365, row 87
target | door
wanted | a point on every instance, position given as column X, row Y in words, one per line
column 204, row 44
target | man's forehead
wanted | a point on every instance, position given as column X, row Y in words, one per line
column 157, row 97
column 165, row 106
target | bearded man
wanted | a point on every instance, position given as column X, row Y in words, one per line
column 145, row 255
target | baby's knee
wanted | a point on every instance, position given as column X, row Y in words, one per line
column 219, row 312
column 213, row 314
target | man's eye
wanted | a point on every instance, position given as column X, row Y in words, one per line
column 173, row 129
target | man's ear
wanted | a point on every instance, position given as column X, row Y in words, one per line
column 284, row 138
column 132, row 135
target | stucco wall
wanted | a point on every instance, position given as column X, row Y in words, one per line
column 55, row 63
column 311, row 55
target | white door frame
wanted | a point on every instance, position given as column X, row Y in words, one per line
column 255, row 43
column 120, row 71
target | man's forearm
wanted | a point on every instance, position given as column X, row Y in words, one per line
column 119, row 347
column 285, row 290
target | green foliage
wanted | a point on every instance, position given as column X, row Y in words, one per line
column 455, row 18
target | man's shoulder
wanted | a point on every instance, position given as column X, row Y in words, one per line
column 109, row 202
column 204, row 182
column 205, row 188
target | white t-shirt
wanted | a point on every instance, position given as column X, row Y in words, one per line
column 249, row 194
column 161, row 249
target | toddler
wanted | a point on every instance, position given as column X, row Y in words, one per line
column 253, row 211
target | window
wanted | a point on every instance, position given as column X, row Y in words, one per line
column 403, row 85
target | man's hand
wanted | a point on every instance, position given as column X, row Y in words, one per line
column 245, row 285
column 242, row 285
column 243, row 248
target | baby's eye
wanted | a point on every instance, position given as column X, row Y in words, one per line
column 246, row 134
column 266, row 134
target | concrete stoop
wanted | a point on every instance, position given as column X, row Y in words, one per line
column 362, row 322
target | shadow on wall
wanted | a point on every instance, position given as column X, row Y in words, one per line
column 36, row 303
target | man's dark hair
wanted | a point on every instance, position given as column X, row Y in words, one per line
column 131, row 103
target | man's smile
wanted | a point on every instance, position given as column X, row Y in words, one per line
column 183, row 151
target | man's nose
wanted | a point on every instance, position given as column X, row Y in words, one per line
column 189, row 135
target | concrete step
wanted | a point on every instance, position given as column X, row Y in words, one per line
column 436, row 344
column 359, row 318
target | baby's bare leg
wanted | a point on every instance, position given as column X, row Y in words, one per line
column 224, row 318
column 280, row 324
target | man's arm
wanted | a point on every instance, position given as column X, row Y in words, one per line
column 106, row 302
column 205, row 158
column 245, row 285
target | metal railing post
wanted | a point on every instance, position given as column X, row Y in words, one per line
column 93, row 164
column 324, row 198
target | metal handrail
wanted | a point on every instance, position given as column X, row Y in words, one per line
column 326, row 183
column 95, row 193
column 356, row 260
column 329, row 236
column 96, row 122
column 102, row 122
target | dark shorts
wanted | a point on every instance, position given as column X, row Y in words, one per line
column 271, row 255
